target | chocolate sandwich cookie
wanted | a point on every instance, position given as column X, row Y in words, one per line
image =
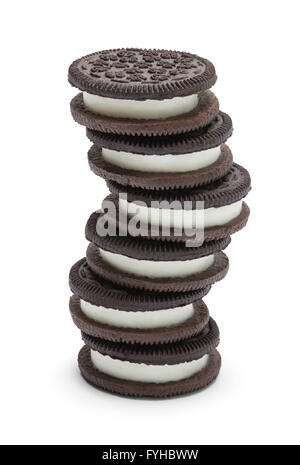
column 110, row 312
column 161, row 370
column 154, row 265
column 213, row 211
column 149, row 327
column 143, row 92
column 172, row 162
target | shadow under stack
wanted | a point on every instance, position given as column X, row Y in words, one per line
column 156, row 245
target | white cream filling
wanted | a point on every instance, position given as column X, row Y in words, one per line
column 141, row 320
column 146, row 373
column 157, row 269
column 139, row 109
column 162, row 163
column 181, row 218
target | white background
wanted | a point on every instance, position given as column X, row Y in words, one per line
column 48, row 192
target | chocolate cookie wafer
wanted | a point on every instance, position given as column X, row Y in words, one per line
column 162, row 370
column 153, row 265
column 111, row 312
column 156, row 327
column 175, row 215
column 143, row 92
column 169, row 162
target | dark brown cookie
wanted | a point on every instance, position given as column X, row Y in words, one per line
column 157, row 390
column 229, row 189
column 183, row 351
column 145, row 231
column 212, row 135
column 164, row 335
column 140, row 74
column 155, row 180
column 200, row 116
column 145, row 249
column 98, row 291
column 214, row 273
column 174, row 353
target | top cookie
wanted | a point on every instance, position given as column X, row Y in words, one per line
column 140, row 74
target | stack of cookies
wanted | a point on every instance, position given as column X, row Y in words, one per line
column 156, row 245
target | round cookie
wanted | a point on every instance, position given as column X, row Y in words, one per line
column 215, row 133
column 129, row 160
column 143, row 92
column 157, row 371
column 170, row 354
column 219, row 206
column 152, row 265
column 140, row 74
column 145, row 249
column 104, row 310
column 157, row 180
column 157, row 335
column 205, row 111
column 137, row 389
column 215, row 272
column 98, row 291
column 231, row 188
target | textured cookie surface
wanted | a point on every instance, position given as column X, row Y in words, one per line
column 146, row 231
column 159, row 354
column 98, row 291
column 142, row 74
column 215, row 133
column 155, row 390
column 145, row 249
column 212, row 274
column 205, row 111
column 157, row 181
column 167, row 334
column 231, row 188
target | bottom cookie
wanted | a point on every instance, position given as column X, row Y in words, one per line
column 124, row 387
